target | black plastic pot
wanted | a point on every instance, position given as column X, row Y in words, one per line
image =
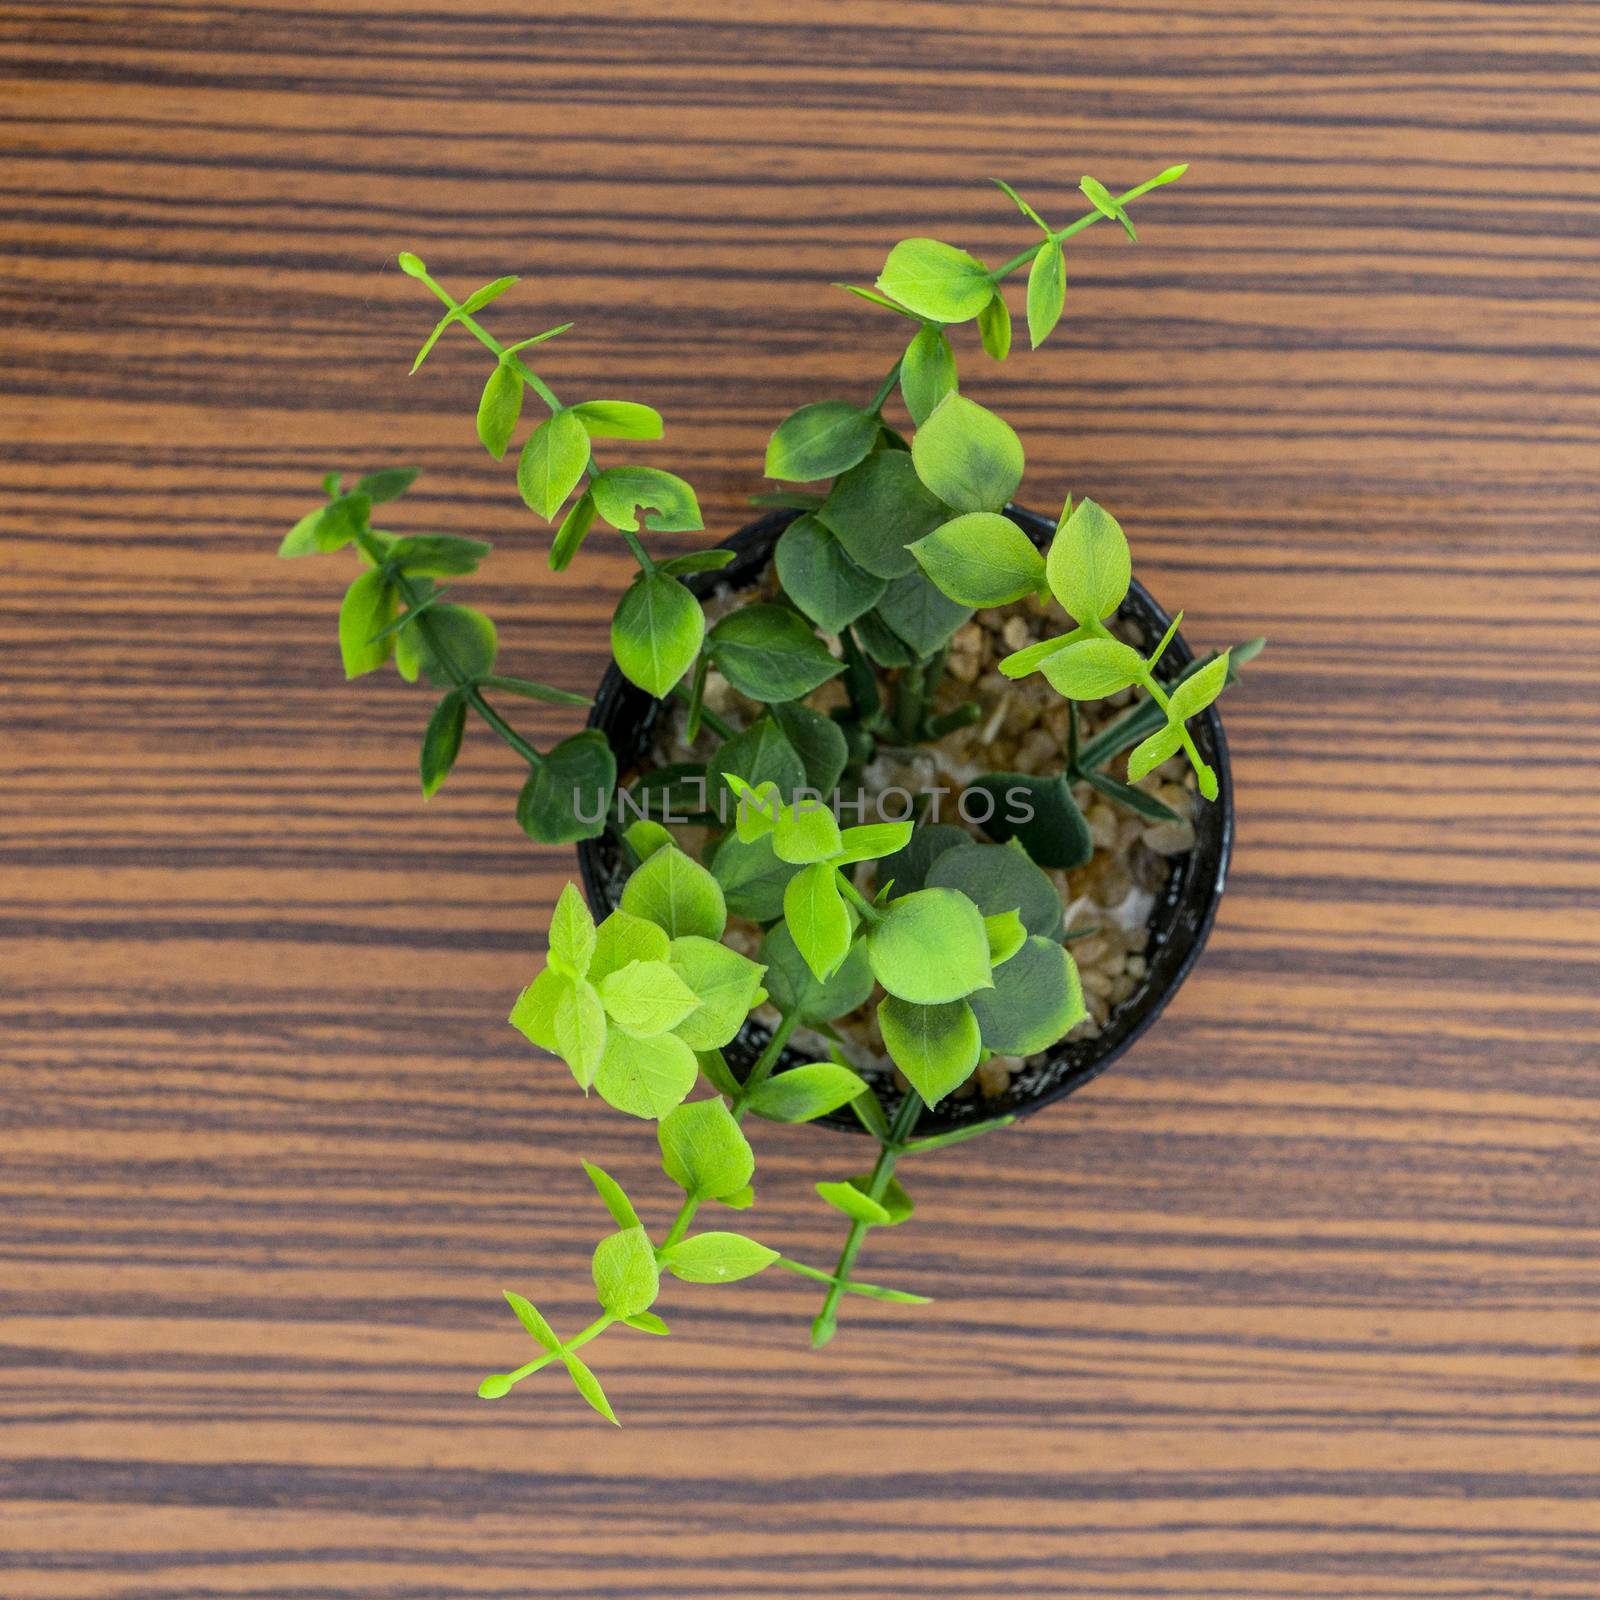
column 1179, row 921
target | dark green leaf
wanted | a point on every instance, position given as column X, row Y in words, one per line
column 1136, row 800
column 881, row 643
column 1000, row 877
column 437, row 555
column 573, row 531
column 820, row 577
column 920, row 614
column 1038, row 812
column 770, row 654
column 527, row 689
column 908, row 869
column 820, row 441
column 388, row 484
column 818, row 741
column 880, row 507
column 1036, row 1000
column 794, row 987
column 567, row 796
column 752, row 877
column 465, row 635
column 761, row 754
column 697, row 561
column 441, row 741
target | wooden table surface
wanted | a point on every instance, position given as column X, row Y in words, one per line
column 1299, row 1301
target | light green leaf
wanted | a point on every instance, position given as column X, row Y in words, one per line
column 936, row 280
column 806, row 831
column 1195, row 693
column 703, row 1150
column 935, row 1046
column 555, row 456
column 927, row 372
column 1107, row 205
column 676, row 894
column 528, row 1315
column 369, row 607
column 479, row 298
column 573, row 531
column 804, row 1093
column 726, row 985
column 970, row 458
column 648, row 1322
column 441, row 741
column 533, row 1014
column 820, row 441
column 818, row 919
column 981, row 559
column 579, row 1024
column 758, row 810
column 930, row 948
column 656, row 632
column 1144, row 758
column 646, row 998
column 740, row 1199
column 871, row 841
column 878, row 508
column 1031, row 658
column 622, row 938
column 876, row 299
column 566, row 797
column 717, row 1258
column 645, row 1077
column 589, row 1386
column 1006, row 935
column 668, row 501
column 1047, row 292
column 1093, row 668
column 626, row 1281
column 499, row 409
column 794, row 987
column 1088, row 566
column 894, row 1198
column 1036, row 1000
column 857, row 1206
column 572, row 933
column 618, row 419
column 644, row 838
column 820, row 577
column 770, row 654
column 994, row 327
column 997, row 878
column 613, row 1196
column 1021, row 204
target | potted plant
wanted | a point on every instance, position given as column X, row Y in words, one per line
column 904, row 809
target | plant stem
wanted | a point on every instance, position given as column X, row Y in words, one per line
column 909, row 692
column 1024, row 256
column 870, row 914
column 885, row 389
column 889, row 1152
column 718, row 725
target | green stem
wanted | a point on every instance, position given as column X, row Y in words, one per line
column 1025, row 256
column 870, row 914
column 593, row 1331
column 885, row 389
column 909, row 692
column 889, row 1152
column 718, row 725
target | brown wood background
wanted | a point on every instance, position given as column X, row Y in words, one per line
column 1300, row 1301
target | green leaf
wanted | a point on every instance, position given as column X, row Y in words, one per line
column 994, row 327
column 752, row 877
column 648, row 1322
column 656, row 632
column 770, row 654
column 894, row 1198
column 806, row 831
column 871, row 1290
column 644, row 838
column 538, row 338
column 678, row 895
column 496, row 1386
column 1103, row 201
column 876, row 299
column 703, row 1150
column 441, row 741
column 368, row 608
column 572, row 933
column 1040, row 814
column 758, row 809
column 1047, row 292
column 1093, row 668
column 919, row 614
column 820, row 577
column 1135, row 800
column 1031, row 658
column 981, row 559
column 761, row 754
column 726, row 986
column 466, row 635
column 1036, row 1000
column 818, row 740
column 1000, row 877
column 618, row 419
column 567, row 796
column 528, row 1315
column 1194, row 694
column 936, row 280
column 573, row 531
column 626, row 1280
column 533, row 1014
column 301, row 539
column 820, row 441
column 817, row 918
column 1021, row 204
column 555, row 456
column 857, row 1206
column 1006, row 936
column 697, row 561
column 389, row 484
column 613, row 1196
column 717, row 1073
column 878, row 508
column 647, row 998
column 939, row 1141
column 645, row 1077
column 527, row 689
column 871, row 841
column 930, row 947
column 717, row 1258
column 337, row 524
column 967, row 456
column 909, row 866
column 589, row 1386
column 794, row 987
column 868, row 1108
column 739, row 1200
column 1088, row 566
column 935, row 1046
column 479, row 298
column 579, row 1026
column 927, row 372
column 1164, row 743
column 805, row 1093
column 622, row 938
column 498, row 410
column 437, row 555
